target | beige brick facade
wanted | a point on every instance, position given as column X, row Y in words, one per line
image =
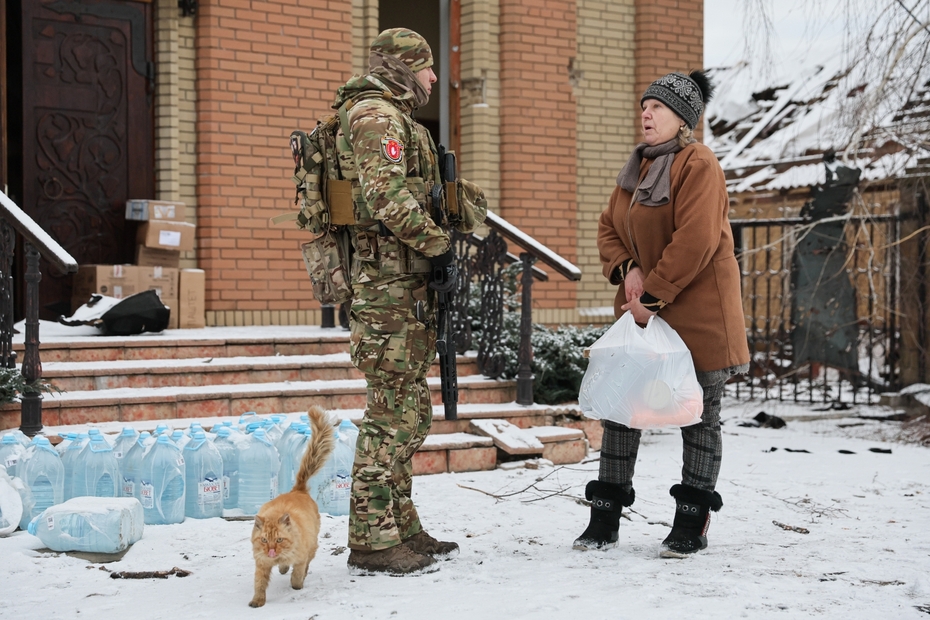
column 548, row 113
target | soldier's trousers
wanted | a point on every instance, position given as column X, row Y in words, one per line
column 394, row 350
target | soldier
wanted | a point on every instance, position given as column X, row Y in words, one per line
column 396, row 243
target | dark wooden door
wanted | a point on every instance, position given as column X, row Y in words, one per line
column 88, row 129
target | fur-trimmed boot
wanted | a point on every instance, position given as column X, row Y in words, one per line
column 692, row 518
column 607, row 500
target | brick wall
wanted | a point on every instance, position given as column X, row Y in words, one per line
column 538, row 131
column 263, row 69
column 606, row 135
column 187, row 127
column 669, row 37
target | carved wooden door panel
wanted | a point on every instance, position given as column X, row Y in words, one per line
column 88, row 133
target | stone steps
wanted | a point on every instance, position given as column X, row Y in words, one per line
column 190, row 372
column 219, row 373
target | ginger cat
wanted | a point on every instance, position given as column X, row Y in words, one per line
column 287, row 527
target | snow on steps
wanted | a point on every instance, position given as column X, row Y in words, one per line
column 218, row 373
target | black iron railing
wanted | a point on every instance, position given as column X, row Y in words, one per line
column 481, row 262
column 14, row 223
column 867, row 331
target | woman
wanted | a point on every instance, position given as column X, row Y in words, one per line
column 665, row 240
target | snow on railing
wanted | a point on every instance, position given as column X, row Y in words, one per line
column 33, row 233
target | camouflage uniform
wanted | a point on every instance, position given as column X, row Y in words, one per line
column 394, row 160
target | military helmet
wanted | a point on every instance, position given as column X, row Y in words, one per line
column 406, row 45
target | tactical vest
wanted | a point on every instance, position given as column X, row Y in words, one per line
column 334, row 209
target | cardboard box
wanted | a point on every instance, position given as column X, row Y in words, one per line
column 192, row 299
column 167, row 235
column 163, row 280
column 156, row 257
column 112, row 280
column 174, row 307
column 147, row 210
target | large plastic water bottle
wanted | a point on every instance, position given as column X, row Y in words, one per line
column 96, row 470
column 161, row 487
column 348, row 432
column 204, row 479
column 258, row 472
column 229, row 452
column 161, row 429
column 291, row 452
column 23, row 439
column 130, row 466
column 124, row 441
column 11, row 451
column 341, row 489
column 66, row 440
column 70, row 458
column 272, row 431
column 42, row 472
column 91, row 524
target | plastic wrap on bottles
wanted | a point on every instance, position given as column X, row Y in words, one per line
column 11, row 504
column 641, row 377
column 91, row 524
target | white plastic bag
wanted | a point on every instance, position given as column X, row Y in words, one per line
column 641, row 377
column 11, row 503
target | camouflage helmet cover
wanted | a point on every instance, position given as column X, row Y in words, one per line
column 406, row 45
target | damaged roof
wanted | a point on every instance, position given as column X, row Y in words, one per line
column 773, row 137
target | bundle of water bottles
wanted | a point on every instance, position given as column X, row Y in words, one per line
column 173, row 474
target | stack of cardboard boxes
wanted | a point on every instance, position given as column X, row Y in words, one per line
column 162, row 236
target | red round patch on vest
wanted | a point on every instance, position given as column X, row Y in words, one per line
column 392, row 150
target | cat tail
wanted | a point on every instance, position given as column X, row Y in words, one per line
column 318, row 449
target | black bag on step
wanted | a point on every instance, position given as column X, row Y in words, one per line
column 142, row 312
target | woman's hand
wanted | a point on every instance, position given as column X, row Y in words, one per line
column 640, row 313
column 633, row 284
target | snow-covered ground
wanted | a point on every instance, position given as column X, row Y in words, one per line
column 865, row 553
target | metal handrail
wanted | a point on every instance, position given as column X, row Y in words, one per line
column 36, row 244
column 25, row 226
column 533, row 247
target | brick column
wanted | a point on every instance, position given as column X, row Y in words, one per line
column 669, row 37
column 263, row 69
column 537, row 131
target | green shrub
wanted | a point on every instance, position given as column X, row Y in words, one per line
column 13, row 384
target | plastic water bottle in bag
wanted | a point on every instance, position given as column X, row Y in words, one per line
column 204, row 478
column 161, row 484
column 90, row 524
column 259, row 464
column 96, row 469
column 229, row 452
column 42, row 472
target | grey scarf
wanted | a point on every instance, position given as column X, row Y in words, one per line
column 654, row 189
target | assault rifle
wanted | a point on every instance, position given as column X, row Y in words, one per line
column 445, row 343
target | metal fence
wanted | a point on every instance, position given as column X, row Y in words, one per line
column 855, row 357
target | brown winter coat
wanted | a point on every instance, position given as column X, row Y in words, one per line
column 685, row 249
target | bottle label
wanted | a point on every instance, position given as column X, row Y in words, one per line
column 210, row 491
column 50, row 522
column 226, row 487
column 342, row 487
column 118, row 454
column 129, row 486
column 11, row 460
column 180, row 461
column 147, row 494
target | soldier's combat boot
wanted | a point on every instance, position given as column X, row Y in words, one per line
column 396, row 560
column 692, row 518
column 424, row 544
column 607, row 500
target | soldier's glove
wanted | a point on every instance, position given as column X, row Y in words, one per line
column 444, row 272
